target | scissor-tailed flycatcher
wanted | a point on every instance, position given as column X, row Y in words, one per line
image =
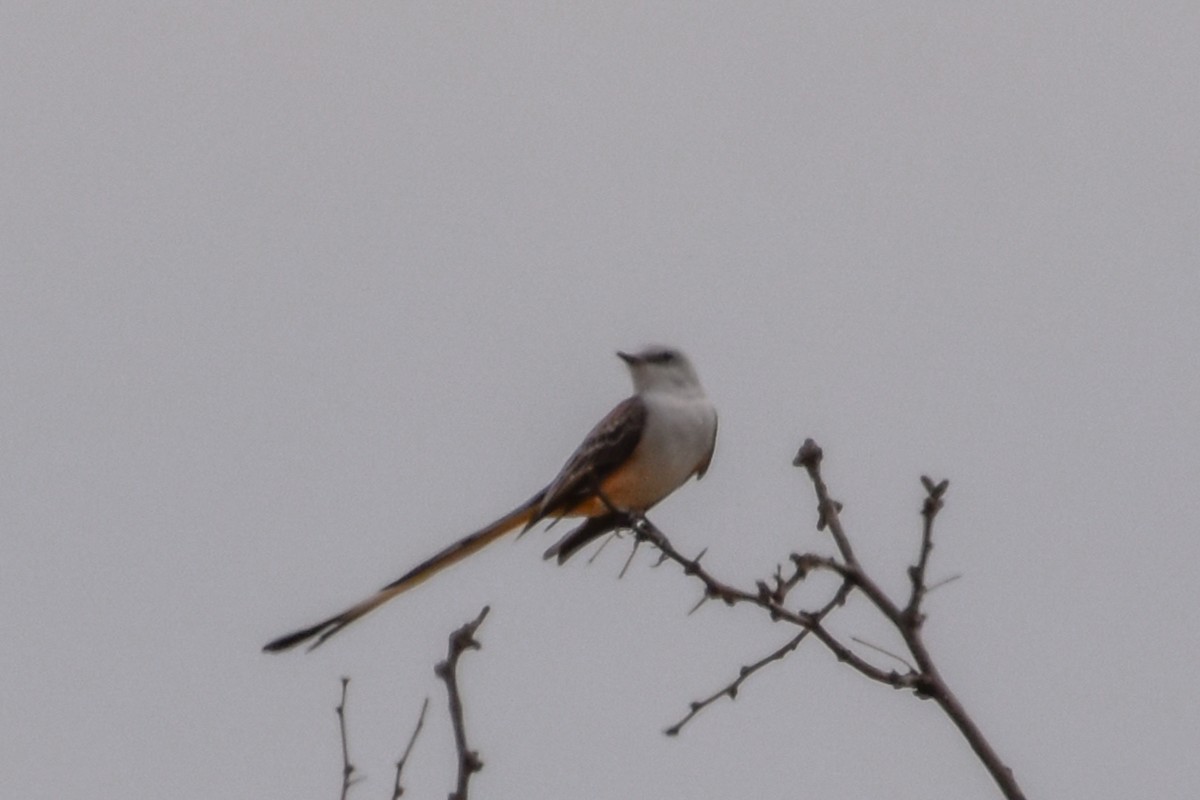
column 646, row 448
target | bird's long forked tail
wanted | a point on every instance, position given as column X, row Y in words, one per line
column 456, row 552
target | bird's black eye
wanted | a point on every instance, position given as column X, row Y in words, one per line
column 661, row 357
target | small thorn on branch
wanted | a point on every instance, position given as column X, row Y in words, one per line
column 691, row 567
column 942, row 583
column 632, row 552
column 600, row 549
column 823, row 514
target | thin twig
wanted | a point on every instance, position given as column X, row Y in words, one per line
column 461, row 640
column 934, row 587
column 347, row 768
column 888, row 653
column 809, row 457
column 916, row 573
column 397, row 789
column 731, row 689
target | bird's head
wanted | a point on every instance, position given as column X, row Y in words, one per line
column 660, row 368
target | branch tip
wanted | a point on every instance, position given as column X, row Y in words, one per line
column 934, row 490
column 809, row 456
column 461, row 640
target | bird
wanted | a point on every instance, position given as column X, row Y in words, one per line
column 648, row 446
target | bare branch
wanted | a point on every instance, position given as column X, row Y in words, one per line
column 731, row 689
column 927, row 681
column 461, row 640
column 916, row 573
column 397, row 789
column 643, row 528
column 809, row 456
column 922, row 676
column 347, row 768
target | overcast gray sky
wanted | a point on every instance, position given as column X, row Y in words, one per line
column 292, row 295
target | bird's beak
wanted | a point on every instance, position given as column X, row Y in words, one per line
column 629, row 358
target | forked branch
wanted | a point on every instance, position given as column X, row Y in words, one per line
column 921, row 675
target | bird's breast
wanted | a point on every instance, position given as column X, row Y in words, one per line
column 676, row 441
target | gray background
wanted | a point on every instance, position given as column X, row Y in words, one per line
column 293, row 295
